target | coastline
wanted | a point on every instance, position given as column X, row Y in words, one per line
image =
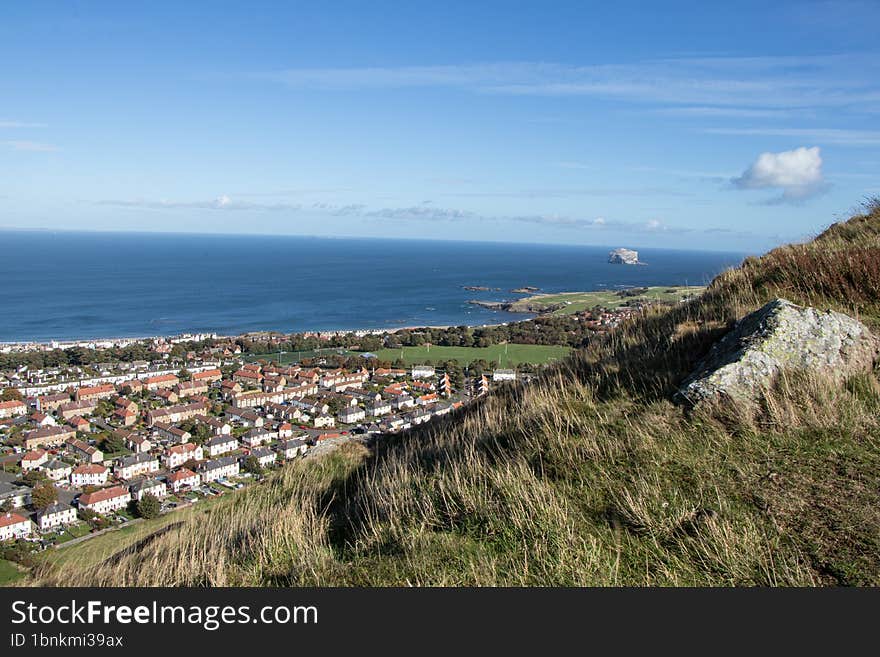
column 525, row 308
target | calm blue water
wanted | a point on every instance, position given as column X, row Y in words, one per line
column 85, row 285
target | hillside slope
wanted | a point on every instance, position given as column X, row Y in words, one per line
column 590, row 476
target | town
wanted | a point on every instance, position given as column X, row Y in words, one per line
column 143, row 438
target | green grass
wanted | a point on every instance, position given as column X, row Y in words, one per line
column 579, row 301
column 9, row 573
column 508, row 355
column 287, row 357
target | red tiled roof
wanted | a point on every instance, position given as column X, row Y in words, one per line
column 103, row 494
column 7, row 519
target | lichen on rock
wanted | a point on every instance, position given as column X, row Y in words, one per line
column 780, row 336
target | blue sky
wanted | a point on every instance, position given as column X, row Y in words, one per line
column 731, row 126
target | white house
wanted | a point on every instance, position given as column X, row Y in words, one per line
column 177, row 455
column 504, row 375
column 55, row 515
column 225, row 466
column 91, row 474
column 13, row 525
column 379, row 407
column 57, row 470
column 33, row 460
column 292, row 448
column 183, row 478
column 352, row 414
column 105, row 500
column 322, row 421
column 265, row 456
column 220, row 445
column 134, row 465
column 152, row 487
column 422, row 372
column 256, row 437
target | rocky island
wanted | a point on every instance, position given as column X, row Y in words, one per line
column 624, row 257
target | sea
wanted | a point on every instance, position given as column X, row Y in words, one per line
column 84, row 285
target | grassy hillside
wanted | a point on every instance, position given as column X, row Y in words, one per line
column 590, row 476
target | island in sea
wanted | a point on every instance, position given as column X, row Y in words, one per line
column 623, row 256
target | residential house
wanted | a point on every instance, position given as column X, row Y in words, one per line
column 403, row 401
column 129, row 467
column 504, row 375
column 208, row 376
column 57, row 470
column 190, row 388
column 225, row 466
column 33, row 460
column 105, row 500
column 42, row 420
column 49, row 403
column 132, row 387
column 220, row 445
column 125, row 416
column 90, row 474
column 172, row 433
column 159, row 382
column 175, row 414
column 323, row 421
column 218, row 427
column 292, row 448
column 256, row 437
column 79, row 424
column 12, row 408
column 248, row 377
column 55, row 515
column 154, row 487
column 47, row 437
column 85, row 451
column 139, row 444
column 247, row 417
column 265, row 456
column 93, row 393
column 228, row 388
column 422, row 372
column 167, row 395
column 352, row 414
column 13, row 525
column 16, row 496
column 182, row 479
column 177, row 455
column 83, row 407
column 379, row 407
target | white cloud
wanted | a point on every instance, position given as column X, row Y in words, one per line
column 749, row 86
column 798, row 173
column 20, row 124
column 839, row 136
column 33, row 146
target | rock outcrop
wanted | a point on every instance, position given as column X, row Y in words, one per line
column 623, row 257
column 780, row 336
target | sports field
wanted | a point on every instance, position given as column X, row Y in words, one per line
column 502, row 355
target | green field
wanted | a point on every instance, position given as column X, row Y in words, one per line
column 579, row 301
column 287, row 357
column 9, row 573
column 503, row 355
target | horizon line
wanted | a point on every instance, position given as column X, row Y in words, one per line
column 171, row 233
